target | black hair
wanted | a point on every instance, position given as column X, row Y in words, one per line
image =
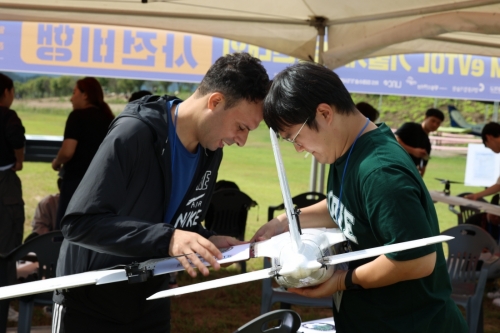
column 368, row 110
column 492, row 129
column 434, row 113
column 5, row 83
column 237, row 76
column 139, row 94
column 297, row 91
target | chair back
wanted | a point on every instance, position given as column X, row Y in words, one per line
column 227, row 213
column 300, row 201
column 464, row 212
column 278, row 321
column 463, row 256
column 46, row 247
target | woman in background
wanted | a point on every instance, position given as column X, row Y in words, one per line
column 85, row 129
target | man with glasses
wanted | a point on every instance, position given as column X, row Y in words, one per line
column 376, row 197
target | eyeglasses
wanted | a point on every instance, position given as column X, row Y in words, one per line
column 292, row 141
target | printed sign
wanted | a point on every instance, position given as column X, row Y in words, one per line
column 139, row 53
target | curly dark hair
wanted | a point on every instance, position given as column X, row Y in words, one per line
column 237, row 76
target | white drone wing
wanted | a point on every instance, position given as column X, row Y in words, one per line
column 331, row 260
column 376, row 251
column 64, row 282
column 459, row 201
column 157, row 267
column 228, row 281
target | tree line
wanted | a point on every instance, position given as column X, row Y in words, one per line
column 60, row 86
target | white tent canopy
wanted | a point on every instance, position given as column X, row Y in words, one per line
column 356, row 29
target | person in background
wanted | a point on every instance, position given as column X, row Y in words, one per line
column 414, row 138
column 368, row 111
column 45, row 216
column 376, row 197
column 12, row 142
column 139, row 94
column 491, row 139
column 85, row 129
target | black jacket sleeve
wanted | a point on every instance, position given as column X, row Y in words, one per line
column 118, row 207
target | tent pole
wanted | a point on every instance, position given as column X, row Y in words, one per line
column 319, row 23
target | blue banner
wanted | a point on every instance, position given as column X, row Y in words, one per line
column 120, row 52
column 455, row 76
column 136, row 53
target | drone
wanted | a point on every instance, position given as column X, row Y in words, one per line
column 447, row 183
column 299, row 258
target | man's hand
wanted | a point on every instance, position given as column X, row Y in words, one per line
column 327, row 288
column 225, row 241
column 419, row 152
column 189, row 244
column 55, row 165
column 270, row 229
column 18, row 166
column 472, row 196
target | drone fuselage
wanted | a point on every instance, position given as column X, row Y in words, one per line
column 302, row 268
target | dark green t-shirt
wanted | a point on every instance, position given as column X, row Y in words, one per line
column 385, row 201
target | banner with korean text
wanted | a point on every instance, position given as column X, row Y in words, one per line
column 137, row 53
column 120, row 52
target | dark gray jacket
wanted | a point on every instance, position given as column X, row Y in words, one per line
column 116, row 215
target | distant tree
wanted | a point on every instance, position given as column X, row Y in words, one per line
column 128, row 86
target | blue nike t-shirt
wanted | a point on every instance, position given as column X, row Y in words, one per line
column 184, row 166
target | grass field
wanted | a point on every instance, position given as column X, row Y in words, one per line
column 253, row 169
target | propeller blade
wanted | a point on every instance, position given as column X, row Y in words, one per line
column 376, row 251
column 227, row 281
column 444, row 181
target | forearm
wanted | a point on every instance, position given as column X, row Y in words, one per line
column 62, row 157
column 66, row 152
column 409, row 149
column 383, row 271
column 315, row 216
column 19, row 154
column 489, row 191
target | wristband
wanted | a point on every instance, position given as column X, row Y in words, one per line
column 348, row 281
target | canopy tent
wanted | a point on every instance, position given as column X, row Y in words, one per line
column 356, row 29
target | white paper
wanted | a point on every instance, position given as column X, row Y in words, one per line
column 232, row 254
column 482, row 167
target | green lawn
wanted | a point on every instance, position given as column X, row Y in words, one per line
column 251, row 167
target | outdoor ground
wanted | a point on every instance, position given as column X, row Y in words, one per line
column 253, row 169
